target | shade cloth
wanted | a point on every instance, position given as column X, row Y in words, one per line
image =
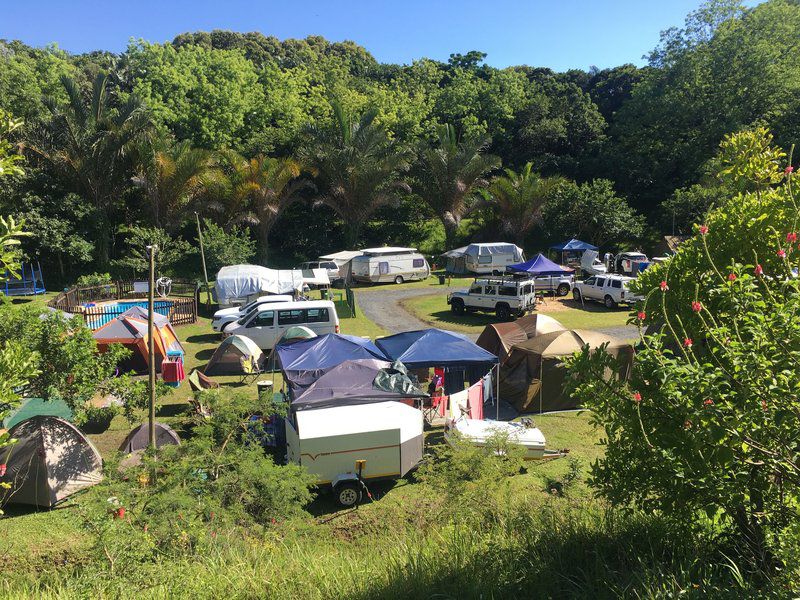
column 573, row 244
column 434, row 348
column 540, row 265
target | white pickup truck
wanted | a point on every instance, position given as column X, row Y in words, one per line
column 611, row 290
column 502, row 296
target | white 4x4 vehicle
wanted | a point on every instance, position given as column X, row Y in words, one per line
column 608, row 289
column 502, row 296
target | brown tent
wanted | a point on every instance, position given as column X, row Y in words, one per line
column 139, row 438
column 498, row 338
column 51, row 461
column 532, row 376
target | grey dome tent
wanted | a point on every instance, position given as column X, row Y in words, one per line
column 227, row 358
column 51, row 461
column 139, row 438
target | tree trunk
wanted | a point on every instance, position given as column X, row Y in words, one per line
column 265, row 225
column 451, row 224
column 352, row 233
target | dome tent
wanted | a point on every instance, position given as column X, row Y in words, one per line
column 51, row 461
column 532, row 376
column 498, row 338
column 227, row 358
column 139, row 438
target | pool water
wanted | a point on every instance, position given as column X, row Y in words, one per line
column 100, row 314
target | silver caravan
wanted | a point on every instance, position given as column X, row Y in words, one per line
column 383, row 265
column 490, row 258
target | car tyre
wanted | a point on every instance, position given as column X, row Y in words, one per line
column 609, row 302
column 576, row 295
column 457, row 306
column 503, row 312
column 563, row 289
column 399, row 279
column 348, row 493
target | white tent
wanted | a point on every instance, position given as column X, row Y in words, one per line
column 236, row 283
column 483, row 258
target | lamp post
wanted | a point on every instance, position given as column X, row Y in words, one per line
column 151, row 350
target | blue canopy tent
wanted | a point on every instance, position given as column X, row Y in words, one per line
column 538, row 266
column 303, row 362
column 572, row 247
column 352, row 382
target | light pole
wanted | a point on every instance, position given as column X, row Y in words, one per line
column 151, row 347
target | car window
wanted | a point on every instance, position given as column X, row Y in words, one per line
column 600, row 281
column 475, row 289
column 589, row 281
column 248, row 307
column 616, row 283
column 317, row 315
column 266, row 317
column 290, row 317
column 507, row 291
column 527, row 289
column 489, row 291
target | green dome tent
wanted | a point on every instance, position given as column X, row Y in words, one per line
column 228, row 357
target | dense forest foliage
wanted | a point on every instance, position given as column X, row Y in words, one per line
column 289, row 149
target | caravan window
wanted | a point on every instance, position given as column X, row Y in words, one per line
column 418, row 263
column 383, row 268
column 317, row 315
column 290, row 317
column 484, row 259
column 265, row 318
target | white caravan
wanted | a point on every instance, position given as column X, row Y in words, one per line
column 383, row 265
column 489, row 258
column 266, row 325
column 341, row 444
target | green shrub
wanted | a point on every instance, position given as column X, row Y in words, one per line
column 94, row 279
column 707, row 426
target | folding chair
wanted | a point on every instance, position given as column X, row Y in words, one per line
column 250, row 370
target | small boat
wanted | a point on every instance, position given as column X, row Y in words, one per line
column 477, row 432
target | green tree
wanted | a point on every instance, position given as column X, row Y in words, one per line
column 259, row 190
column 450, row 175
column 89, row 146
column 593, row 212
column 172, row 251
column 9, row 159
column 518, row 199
column 173, row 176
column 357, row 166
column 226, row 247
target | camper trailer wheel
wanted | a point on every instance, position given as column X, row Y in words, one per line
column 576, row 295
column 609, row 302
column 457, row 306
column 348, row 493
column 399, row 279
column 563, row 289
column 503, row 312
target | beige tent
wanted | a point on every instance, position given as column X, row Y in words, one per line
column 50, row 461
column 532, row 376
column 498, row 338
column 229, row 355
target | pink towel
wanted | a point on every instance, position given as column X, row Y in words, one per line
column 475, row 401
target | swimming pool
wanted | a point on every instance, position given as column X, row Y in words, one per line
column 97, row 315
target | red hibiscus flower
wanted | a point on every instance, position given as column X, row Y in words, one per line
column 687, row 343
column 708, row 402
column 637, row 397
column 758, row 271
column 2, row 469
column 641, row 315
column 120, row 513
column 663, row 285
column 732, row 277
column 788, row 170
column 791, row 237
column 703, row 229
column 696, row 306
column 781, row 253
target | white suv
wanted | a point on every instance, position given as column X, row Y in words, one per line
column 608, row 289
column 558, row 285
column 502, row 296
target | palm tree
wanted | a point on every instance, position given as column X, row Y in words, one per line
column 257, row 191
column 357, row 166
column 90, row 144
column 519, row 198
column 450, row 175
column 173, row 176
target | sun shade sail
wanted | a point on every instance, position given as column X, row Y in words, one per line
column 540, row 265
column 434, row 348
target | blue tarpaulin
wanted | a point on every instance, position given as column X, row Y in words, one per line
column 573, row 244
column 539, row 265
column 434, row 348
column 303, row 362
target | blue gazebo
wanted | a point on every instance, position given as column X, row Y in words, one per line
column 540, row 266
column 572, row 246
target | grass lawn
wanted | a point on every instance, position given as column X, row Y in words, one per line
column 435, row 311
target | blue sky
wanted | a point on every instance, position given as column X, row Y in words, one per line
column 552, row 33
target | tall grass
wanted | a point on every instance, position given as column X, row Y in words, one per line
column 556, row 550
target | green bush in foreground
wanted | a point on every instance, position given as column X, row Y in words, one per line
column 707, row 428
